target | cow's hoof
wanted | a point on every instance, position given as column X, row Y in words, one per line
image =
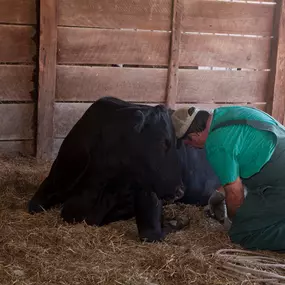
column 34, row 207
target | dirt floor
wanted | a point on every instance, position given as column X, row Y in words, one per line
column 41, row 249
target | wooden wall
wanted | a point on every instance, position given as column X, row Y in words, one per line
column 17, row 65
column 203, row 52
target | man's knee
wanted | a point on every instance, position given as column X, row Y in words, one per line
column 268, row 238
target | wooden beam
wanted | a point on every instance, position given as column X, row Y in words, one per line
column 16, row 82
column 202, row 86
column 110, row 46
column 18, row 12
column 225, row 51
column 17, row 121
column 47, row 77
column 173, row 69
column 228, row 17
column 114, row 14
column 85, row 83
column 16, row 44
column 16, row 147
column 277, row 77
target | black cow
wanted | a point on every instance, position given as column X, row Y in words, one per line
column 118, row 161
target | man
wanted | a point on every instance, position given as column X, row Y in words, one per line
column 246, row 148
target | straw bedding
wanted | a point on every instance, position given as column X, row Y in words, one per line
column 42, row 249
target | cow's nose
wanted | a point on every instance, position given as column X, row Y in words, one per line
column 179, row 192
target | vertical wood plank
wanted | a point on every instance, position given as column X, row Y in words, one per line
column 47, row 77
column 173, row 69
column 277, row 77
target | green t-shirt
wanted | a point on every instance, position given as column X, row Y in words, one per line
column 238, row 150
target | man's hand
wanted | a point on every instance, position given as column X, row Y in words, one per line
column 216, row 206
column 234, row 196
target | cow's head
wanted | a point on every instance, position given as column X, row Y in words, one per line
column 160, row 166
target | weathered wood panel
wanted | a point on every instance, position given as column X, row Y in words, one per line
column 225, row 51
column 47, row 77
column 17, row 121
column 139, row 14
column 277, row 80
column 83, row 83
column 222, row 86
column 26, row 147
column 56, row 146
column 92, row 46
column 16, row 44
column 16, row 82
column 18, row 11
column 173, row 67
column 211, row 106
column 67, row 114
column 228, row 17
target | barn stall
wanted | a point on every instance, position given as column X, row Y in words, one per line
column 57, row 57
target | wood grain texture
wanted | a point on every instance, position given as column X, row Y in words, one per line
column 225, row 51
column 277, row 80
column 67, row 114
column 56, row 146
column 47, row 77
column 211, row 106
column 92, row 46
column 222, row 86
column 26, row 147
column 173, row 67
column 83, row 83
column 17, row 121
column 228, row 17
column 18, row 11
column 16, row 44
column 16, row 82
column 138, row 14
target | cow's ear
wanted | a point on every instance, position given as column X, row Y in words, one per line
column 140, row 121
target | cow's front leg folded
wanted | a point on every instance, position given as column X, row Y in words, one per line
column 76, row 209
column 93, row 206
column 148, row 214
column 45, row 198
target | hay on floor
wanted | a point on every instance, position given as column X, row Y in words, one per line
column 42, row 249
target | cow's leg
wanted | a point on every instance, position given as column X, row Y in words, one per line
column 92, row 206
column 123, row 210
column 148, row 213
column 45, row 198
column 77, row 208
column 65, row 173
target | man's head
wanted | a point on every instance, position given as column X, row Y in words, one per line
column 192, row 125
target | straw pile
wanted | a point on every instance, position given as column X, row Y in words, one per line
column 41, row 249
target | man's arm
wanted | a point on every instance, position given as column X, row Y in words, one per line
column 234, row 196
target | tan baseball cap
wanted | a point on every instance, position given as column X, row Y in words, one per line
column 182, row 120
